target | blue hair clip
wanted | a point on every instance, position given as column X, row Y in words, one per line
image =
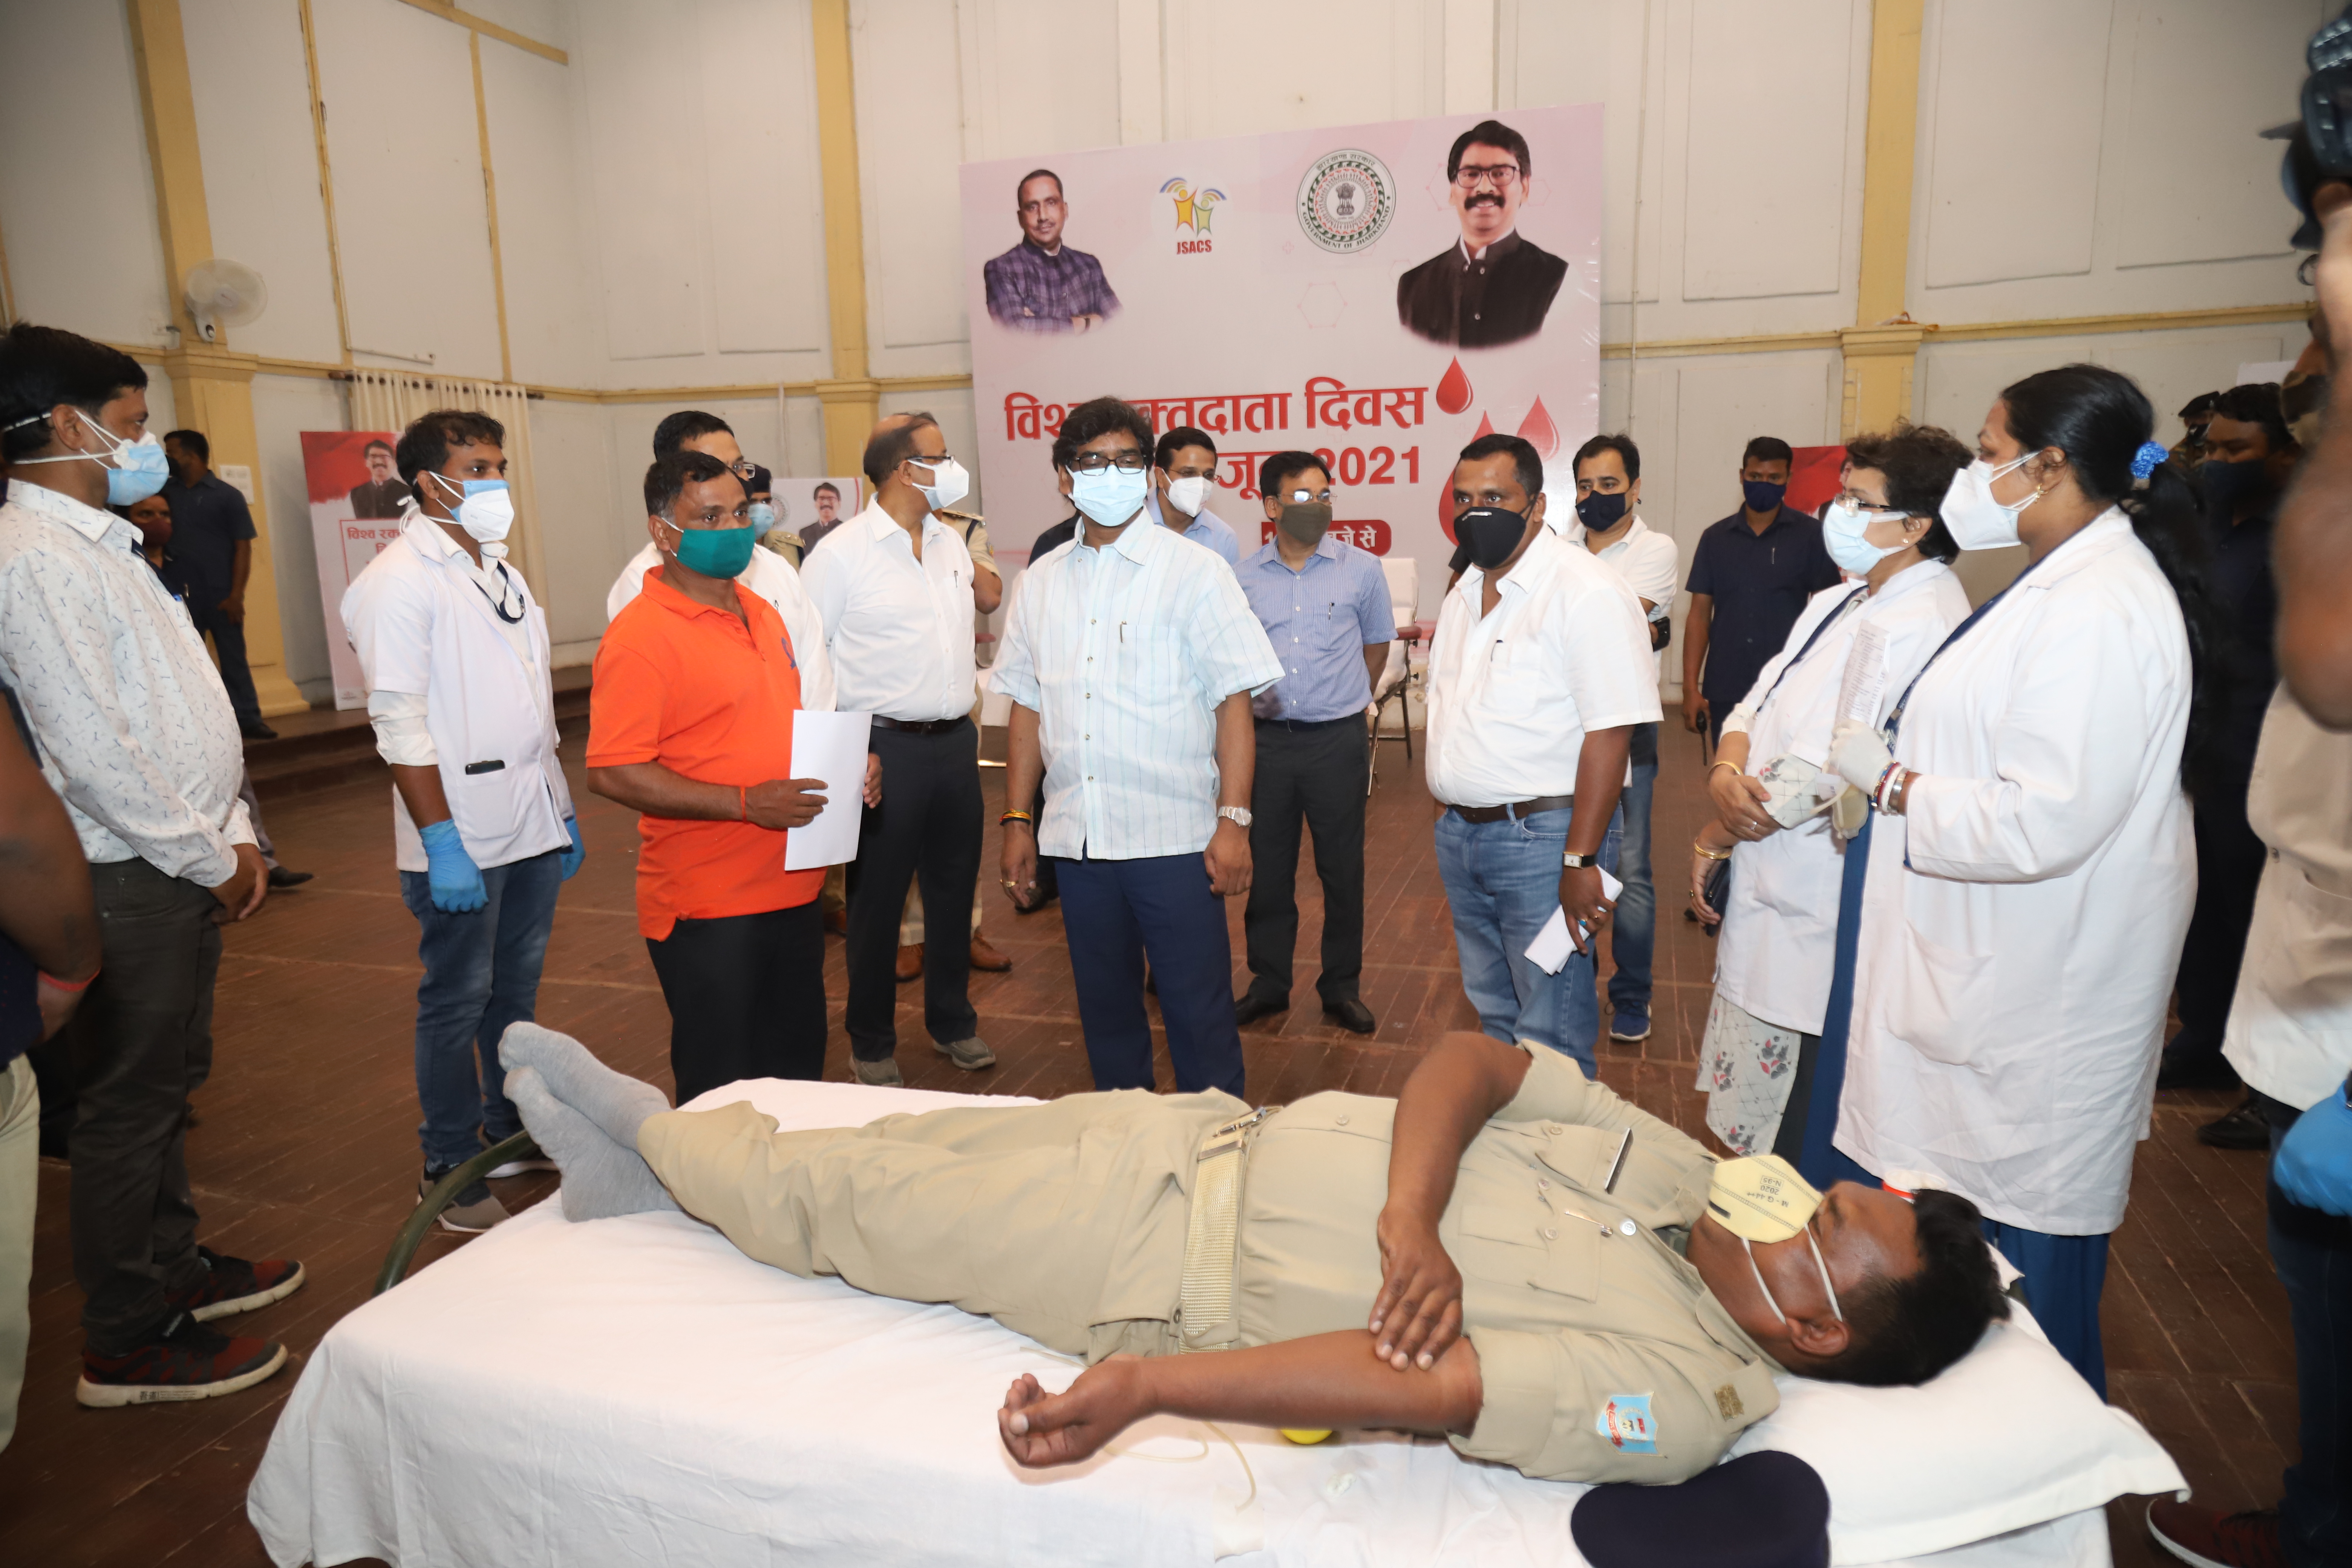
column 2145, row 460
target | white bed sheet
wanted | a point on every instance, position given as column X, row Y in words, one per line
column 635, row 1391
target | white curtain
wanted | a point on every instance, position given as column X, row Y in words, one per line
column 390, row 399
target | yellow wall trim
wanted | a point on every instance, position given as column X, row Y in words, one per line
column 490, row 206
column 325, row 175
column 851, row 397
column 481, row 27
column 1889, row 154
column 2135, row 321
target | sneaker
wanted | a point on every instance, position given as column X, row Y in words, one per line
column 231, row 1285
column 1631, row 1025
column 281, row 878
column 971, row 1054
column 474, row 1210
column 2243, row 1128
column 182, row 1360
column 515, row 1167
column 884, row 1072
column 2212, row 1539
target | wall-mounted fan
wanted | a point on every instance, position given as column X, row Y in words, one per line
column 221, row 293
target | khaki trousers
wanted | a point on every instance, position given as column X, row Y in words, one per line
column 1064, row 1222
column 20, row 1127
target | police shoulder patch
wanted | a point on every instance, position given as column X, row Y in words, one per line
column 1624, row 1420
column 1727, row 1401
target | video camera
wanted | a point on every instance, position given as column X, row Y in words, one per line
column 2319, row 145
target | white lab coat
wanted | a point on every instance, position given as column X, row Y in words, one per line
column 1779, row 922
column 2023, row 920
column 421, row 624
column 771, row 577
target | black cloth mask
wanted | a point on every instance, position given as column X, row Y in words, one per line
column 1601, row 512
column 1492, row 532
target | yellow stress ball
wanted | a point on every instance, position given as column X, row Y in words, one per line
column 1302, row 1438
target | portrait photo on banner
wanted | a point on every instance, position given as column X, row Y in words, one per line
column 1380, row 295
column 356, row 500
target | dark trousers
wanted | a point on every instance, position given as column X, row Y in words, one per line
column 2312, row 1251
column 1313, row 774
column 746, row 996
column 927, row 830
column 142, row 1043
column 2229, row 869
column 228, row 641
column 1115, row 913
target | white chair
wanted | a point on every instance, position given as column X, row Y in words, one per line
column 1398, row 678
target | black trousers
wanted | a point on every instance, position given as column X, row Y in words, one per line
column 2230, row 861
column 142, row 1043
column 927, row 830
column 1313, row 774
column 746, row 996
column 228, row 641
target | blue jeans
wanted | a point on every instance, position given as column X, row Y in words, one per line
column 1502, row 880
column 2311, row 1252
column 481, row 973
column 1114, row 915
column 1632, row 931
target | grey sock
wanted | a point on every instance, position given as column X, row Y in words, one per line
column 613, row 1101
column 601, row 1178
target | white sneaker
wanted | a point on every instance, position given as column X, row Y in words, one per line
column 884, row 1073
column 461, row 1217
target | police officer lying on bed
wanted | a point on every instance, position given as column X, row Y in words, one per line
column 1508, row 1254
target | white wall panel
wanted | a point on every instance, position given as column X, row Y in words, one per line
column 410, row 220
column 543, row 21
column 591, row 516
column 261, row 168
column 1040, row 76
column 1234, row 67
column 758, row 107
column 910, row 138
column 643, row 86
column 76, row 200
column 283, row 407
column 554, row 331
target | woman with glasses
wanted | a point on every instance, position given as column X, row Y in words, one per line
column 1762, row 1063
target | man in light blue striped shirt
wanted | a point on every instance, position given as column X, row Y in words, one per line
column 1130, row 657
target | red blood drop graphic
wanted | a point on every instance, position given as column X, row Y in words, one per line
column 1486, row 426
column 1454, row 389
column 1537, row 430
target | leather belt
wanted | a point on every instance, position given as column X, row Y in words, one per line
column 920, row 726
column 1515, row 809
column 1310, row 723
column 1212, row 1229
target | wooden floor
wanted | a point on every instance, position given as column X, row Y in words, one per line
column 306, row 1147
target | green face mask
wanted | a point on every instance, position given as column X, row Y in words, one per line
column 716, row 552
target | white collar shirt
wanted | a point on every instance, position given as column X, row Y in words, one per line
column 899, row 631
column 1648, row 561
column 1124, row 653
column 771, row 577
column 135, row 728
column 1511, row 694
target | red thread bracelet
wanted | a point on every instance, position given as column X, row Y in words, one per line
column 743, row 803
column 73, row 985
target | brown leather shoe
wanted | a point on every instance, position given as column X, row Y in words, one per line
column 837, row 920
column 910, row 963
column 985, row 956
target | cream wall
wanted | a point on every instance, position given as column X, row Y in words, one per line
column 658, row 199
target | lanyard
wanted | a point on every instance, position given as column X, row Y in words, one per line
column 1894, row 719
column 1826, row 623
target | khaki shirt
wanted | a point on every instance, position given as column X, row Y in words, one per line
column 1573, row 1321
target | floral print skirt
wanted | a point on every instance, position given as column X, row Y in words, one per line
column 1746, row 1066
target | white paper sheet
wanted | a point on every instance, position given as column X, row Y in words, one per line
column 832, row 747
column 1865, row 686
column 1551, row 947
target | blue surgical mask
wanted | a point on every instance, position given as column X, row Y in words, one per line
column 763, row 516
column 1110, row 498
column 1841, row 533
column 135, row 469
column 1762, row 495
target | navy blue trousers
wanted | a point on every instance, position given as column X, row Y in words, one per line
column 1115, row 913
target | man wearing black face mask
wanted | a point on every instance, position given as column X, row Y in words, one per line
column 2248, row 458
column 1749, row 578
column 1325, row 607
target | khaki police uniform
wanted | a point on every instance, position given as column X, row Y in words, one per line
column 1604, row 1355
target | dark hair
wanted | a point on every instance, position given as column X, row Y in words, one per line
column 1176, row 440
column 1094, row 419
column 686, row 425
column 672, row 471
column 384, row 447
column 1908, row 1328
column 1918, row 461
column 194, row 440
column 426, row 443
column 892, row 443
column 823, row 485
column 761, row 483
column 1627, row 453
column 1522, row 454
column 2257, row 403
column 1489, row 133
column 1023, row 183
column 1284, row 465
column 1766, row 450
column 2201, row 404
column 41, row 367
column 2100, row 420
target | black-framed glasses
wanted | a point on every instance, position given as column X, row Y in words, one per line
column 1095, row 462
column 1468, row 176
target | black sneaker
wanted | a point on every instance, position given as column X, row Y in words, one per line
column 2243, row 1128
column 232, row 1285
column 184, row 1360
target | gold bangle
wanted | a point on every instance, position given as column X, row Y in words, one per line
column 1704, row 852
column 1720, row 763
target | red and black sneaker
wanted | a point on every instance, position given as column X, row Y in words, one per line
column 2212, row 1539
column 231, row 1285
column 182, row 1360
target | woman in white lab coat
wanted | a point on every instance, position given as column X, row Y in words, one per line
column 2031, row 865
column 1761, row 1056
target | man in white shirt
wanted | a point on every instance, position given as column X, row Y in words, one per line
column 455, row 658
column 135, row 731
column 1605, row 521
column 1540, row 672
column 893, row 591
column 1183, row 477
column 1130, row 658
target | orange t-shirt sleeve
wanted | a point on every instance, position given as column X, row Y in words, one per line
column 624, row 707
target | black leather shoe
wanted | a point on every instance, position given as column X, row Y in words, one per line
column 257, row 731
column 2243, row 1128
column 1351, row 1016
column 279, row 877
column 1251, row 1006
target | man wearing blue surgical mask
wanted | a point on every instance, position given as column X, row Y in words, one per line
column 1749, row 578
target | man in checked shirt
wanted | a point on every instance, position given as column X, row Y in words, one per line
column 1042, row 285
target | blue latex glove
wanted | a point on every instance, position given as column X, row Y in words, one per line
column 2313, row 1163
column 456, row 881
column 577, row 853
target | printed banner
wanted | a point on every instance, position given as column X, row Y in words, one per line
column 355, row 498
column 814, row 507
column 1377, row 294
column 1816, row 474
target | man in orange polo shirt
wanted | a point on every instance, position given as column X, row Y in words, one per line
column 690, row 723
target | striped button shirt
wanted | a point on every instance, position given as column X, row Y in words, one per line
column 1124, row 653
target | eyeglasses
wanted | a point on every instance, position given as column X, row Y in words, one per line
column 933, row 461
column 744, row 469
column 1095, row 462
column 1468, row 176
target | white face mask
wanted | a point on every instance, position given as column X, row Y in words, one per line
column 950, row 484
column 1977, row 521
column 485, row 506
column 1843, row 533
column 1187, row 495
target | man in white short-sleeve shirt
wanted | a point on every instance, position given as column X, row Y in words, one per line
column 1540, row 672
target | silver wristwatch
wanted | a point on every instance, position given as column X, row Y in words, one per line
column 1239, row 816
column 1575, row 861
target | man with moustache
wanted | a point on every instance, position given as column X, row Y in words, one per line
column 1491, row 287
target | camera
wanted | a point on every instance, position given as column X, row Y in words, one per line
column 2319, row 145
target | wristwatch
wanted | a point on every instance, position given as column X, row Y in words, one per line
column 1239, row 816
column 1575, row 861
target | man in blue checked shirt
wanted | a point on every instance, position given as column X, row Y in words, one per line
column 1042, row 285
column 1325, row 606
column 1130, row 657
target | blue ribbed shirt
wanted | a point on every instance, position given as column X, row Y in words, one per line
column 1319, row 619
